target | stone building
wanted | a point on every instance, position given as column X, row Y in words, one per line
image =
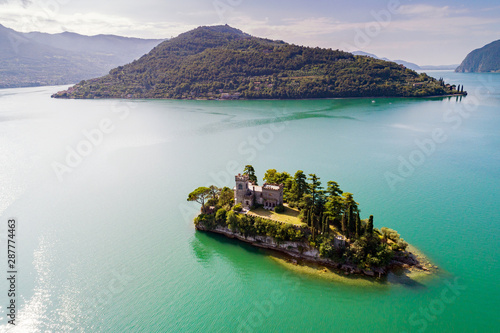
column 249, row 194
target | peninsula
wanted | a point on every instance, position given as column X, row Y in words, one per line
column 221, row 62
column 296, row 216
column 483, row 60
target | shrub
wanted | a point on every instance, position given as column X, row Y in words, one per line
column 402, row 244
column 212, row 202
column 279, row 209
column 237, row 208
column 232, row 220
column 390, row 234
column 220, row 216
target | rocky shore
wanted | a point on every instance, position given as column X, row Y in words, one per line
column 303, row 251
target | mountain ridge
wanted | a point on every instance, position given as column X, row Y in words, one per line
column 408, row 64
column 36, row 58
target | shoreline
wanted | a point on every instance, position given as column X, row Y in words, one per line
column 410, row 265
column 254, row 99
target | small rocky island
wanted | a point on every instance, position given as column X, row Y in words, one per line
column 296, row 216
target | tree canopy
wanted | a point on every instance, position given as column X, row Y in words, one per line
column 222, row 62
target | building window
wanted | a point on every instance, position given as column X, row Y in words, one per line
column 240, row 187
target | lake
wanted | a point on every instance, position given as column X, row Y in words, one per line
column 105, row 239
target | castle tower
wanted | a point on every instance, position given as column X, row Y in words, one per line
column 241, row 189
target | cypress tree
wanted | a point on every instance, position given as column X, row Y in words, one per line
column 314, row 233
column 462, row 89
column 351, row 222
column 369, row 227
column 344, row 222
column 358, row 226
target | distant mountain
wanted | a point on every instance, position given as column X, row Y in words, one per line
column 485, row 59
column 409, row 65
column 34, row 59
column 222, row 62
column 439, row 67
column 371, row 55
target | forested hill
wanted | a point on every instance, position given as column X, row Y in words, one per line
column 485, row 59
column 223, row 62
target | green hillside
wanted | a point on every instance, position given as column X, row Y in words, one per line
column 223, row 62
column 485, row 59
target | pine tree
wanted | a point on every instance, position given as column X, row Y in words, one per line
column 250, row 171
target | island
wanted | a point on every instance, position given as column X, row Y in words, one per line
column 221, row 62
column 298, row 217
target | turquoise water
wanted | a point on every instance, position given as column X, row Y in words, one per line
column 107, row 244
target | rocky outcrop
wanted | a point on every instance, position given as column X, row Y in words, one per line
column 303, row 251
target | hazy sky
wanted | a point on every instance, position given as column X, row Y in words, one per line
column 425, row 32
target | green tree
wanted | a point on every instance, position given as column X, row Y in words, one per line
column 358, row 225
column 333, row 189
column 334, row 202
column 220, row 216
column 199, row 195
column 226, row 196
column 369, row 227
column 326, row 225
column 348, row 200
column 344, row 224
column 232, row 220
column 299, row 186
column 250, row 171
column 309, row 218
column 350, row 220
column 214, row 192
column 270, row 176
column 315, row 190
column 273, row 177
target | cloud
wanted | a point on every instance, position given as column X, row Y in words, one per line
column 53, row 20
column 25, row 3
column 410, row 32
column 429, row 10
